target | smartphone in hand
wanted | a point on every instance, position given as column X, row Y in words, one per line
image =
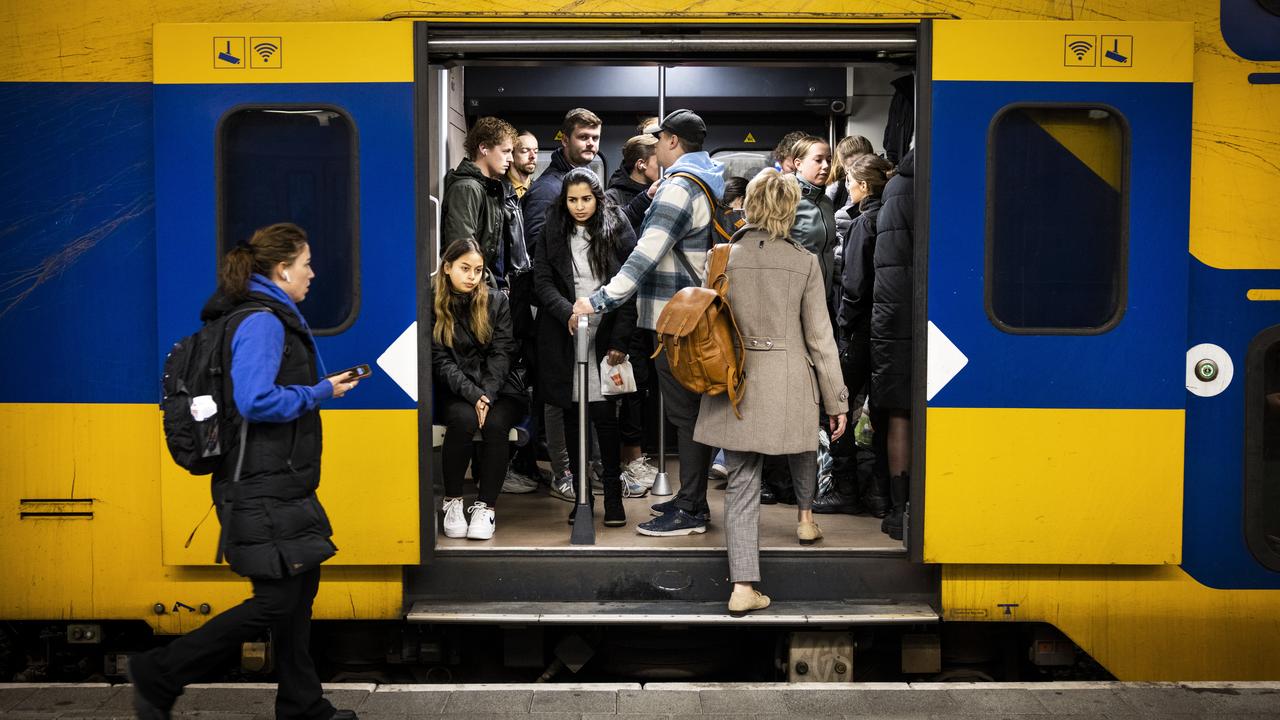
column 359, row 372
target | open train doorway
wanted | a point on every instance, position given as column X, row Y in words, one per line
column 751, row 89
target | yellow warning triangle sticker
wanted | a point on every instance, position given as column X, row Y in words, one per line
column 559, row 135
column 749, row 138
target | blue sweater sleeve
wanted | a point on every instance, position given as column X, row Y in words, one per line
column 256, row 351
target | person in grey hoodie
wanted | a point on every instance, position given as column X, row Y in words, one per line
column 474, row 204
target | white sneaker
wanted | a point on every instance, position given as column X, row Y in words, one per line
column 517, row 484
column 719, row 471
column 482, row 522
column 455, row 524
column 641, row 471
column 631, row 488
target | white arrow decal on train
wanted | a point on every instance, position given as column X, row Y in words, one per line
column 400, row 361
column 945, row 361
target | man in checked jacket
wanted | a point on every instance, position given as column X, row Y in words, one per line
column 674, row 240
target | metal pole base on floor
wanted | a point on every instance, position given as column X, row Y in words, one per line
column 661, row 484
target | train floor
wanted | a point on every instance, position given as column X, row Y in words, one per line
column 538, row 520
column 684, row 701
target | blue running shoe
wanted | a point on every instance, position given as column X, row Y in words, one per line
column 677, row 522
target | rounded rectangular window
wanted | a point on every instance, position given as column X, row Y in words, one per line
column 1056, row 219
column 1262, row 448
column 298, row 165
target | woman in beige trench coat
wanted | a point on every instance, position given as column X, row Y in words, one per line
column 792, row 370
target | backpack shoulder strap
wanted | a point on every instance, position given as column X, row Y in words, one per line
column 714, row 227
column 718, row 263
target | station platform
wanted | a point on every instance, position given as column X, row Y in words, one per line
column 684, row 701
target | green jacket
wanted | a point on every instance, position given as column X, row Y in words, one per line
column 473, row 207
column 815, row 227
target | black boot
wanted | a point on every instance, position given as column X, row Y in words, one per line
column 899, row 485
column 766, row 495
column 877, row 498
column 614, row 514
column 836, row 502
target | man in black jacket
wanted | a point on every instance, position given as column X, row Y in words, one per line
column 474, row 203
column 634, row 180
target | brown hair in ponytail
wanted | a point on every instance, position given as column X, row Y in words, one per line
column 273, row 244
column 874, row 170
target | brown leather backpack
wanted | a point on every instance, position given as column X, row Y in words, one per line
column 700, row 336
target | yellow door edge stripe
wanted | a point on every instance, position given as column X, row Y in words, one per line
column 1263, row 295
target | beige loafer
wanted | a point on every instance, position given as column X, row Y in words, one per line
column 808, row 532
column 745, row 602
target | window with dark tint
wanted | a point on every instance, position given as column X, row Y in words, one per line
column 297, row 165
column 1056, row 207
column 1262, row 448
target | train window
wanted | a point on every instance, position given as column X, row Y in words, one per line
column 296, row 164
column 743, row 163
column 1056, row 207
column 1262, row 448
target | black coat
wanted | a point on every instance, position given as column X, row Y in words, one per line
column 892, row 293
column 853, row 318
column 274, row 522
column 553, row 283
column 630, row 196
column 469, row 370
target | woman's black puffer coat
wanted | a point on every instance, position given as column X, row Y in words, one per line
column 853, row 333
column 469, row 370
column 891, row 295
column 274, row 521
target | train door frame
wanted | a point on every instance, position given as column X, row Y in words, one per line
column 431, row 135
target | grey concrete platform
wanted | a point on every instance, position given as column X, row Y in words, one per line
column 683, row 701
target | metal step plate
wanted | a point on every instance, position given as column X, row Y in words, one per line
column 670, row 613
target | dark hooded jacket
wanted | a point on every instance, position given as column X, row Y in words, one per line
column 274, row 522
column 474, row 207
column 853, row 333
column 892, row 292
column 469, row 369
column 631, row 197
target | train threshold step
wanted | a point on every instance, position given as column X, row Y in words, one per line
column 673, row 612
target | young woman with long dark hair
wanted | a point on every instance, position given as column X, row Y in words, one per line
column 584, row 243
column 472, row 352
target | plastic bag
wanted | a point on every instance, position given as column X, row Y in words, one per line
column 617, row 379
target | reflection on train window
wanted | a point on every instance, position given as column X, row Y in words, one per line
column 1056, row 207
column 1262, row 448
column 296, row 165
column 743, row 163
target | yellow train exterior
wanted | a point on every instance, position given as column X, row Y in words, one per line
column 1079, row 516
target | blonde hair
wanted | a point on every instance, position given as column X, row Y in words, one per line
column 771, row 201
column 800, row 149
column 442, row 299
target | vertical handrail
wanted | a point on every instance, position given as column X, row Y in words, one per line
column 584, row 531
column 661, row 483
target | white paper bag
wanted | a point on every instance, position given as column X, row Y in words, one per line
column 617, row 379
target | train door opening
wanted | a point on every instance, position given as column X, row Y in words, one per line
column 750, row 96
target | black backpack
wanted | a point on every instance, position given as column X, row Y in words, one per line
column 198, row 366
column 725, row 221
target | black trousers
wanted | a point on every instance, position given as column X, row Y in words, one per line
column 695, row 458
column 490, row 454
column 282, row 605
column 603, row 416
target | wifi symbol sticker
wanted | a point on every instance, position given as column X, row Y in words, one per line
column 267, row 53
column 1080, row 50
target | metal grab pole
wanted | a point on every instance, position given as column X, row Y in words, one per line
column 661, row 484
column 584, row 525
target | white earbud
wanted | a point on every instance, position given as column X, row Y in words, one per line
column 286, row 277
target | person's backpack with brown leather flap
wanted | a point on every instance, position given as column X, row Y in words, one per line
column 697, row 331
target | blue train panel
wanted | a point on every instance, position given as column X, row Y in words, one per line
column 1138, row 363
column 77, row 254
column 190, row 161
